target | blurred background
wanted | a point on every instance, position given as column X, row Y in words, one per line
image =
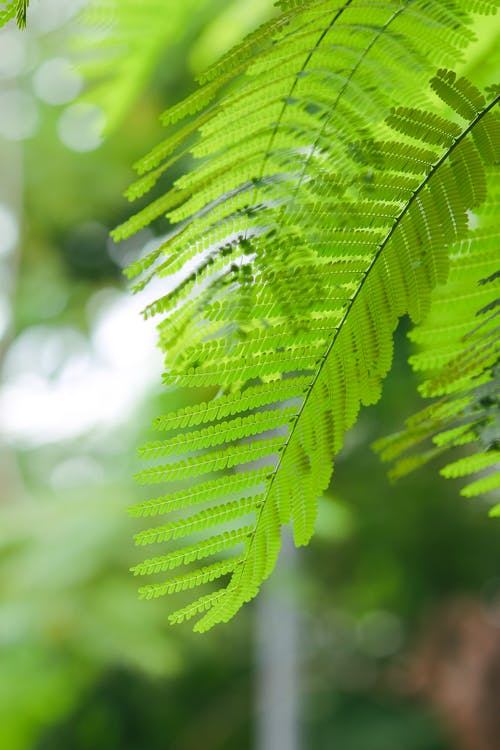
column 383, row 634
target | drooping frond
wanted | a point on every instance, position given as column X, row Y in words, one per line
column 121, row 43
column 21, row 12
column 459, row 350
column 320, row 211
column 17, row 9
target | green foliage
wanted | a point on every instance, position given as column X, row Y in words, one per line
column 120, row 45
column 17, row 9
column 462, row 360
column 327, row 189
column 21, row 11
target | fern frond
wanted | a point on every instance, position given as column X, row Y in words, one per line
column 227, row 458
column 197, row 551
column 232, row 403
column 224, row 432
column 302, row 240
column 471, row 464
column 21, row 12
column 202, row 520
column 120, row 44
column 190, row 580
column 373, row 41
column 17, row 9
column 463, row 361
column 197, row 607
column 212, row 490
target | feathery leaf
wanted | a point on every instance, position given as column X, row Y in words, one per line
column 326, row 194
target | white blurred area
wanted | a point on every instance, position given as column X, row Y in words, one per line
column 9, row 230
column 56, row 81
column 57, row 384
column 80, row 127
column 28, row 81
column 48, row 15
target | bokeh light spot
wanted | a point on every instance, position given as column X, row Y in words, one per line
column 57, row 82
column 80, row 127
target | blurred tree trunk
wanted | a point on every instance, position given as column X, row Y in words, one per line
column 277, row 657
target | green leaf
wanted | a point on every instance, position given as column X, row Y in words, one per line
column 323, row 205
